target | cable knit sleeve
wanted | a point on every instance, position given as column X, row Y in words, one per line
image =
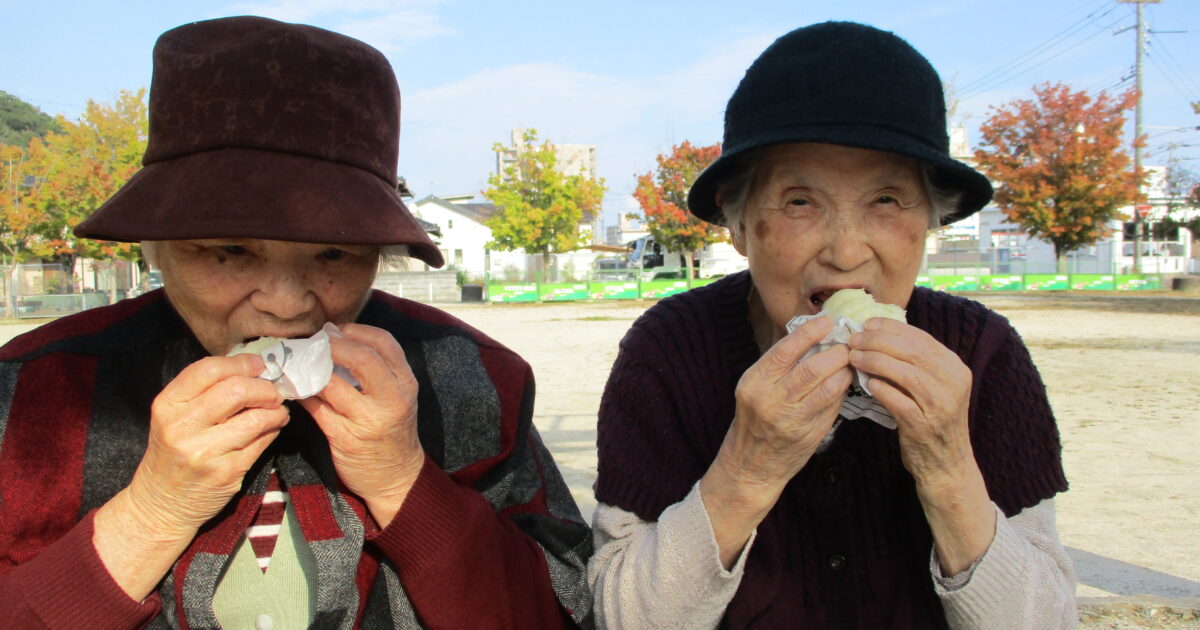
column 1024, row 579
column 664, row 574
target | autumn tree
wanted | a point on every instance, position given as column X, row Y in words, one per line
column 1060, row 165
column 539, row 207
column 662, row 194
column 80, row 168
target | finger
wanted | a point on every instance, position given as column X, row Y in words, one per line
column 780, row 358
column 382, row 342
column 198, row 377
column 339, row 397
column 368, row 366
column 243, row 429
column 811, row 373
column 901, row 373
column 898, row 402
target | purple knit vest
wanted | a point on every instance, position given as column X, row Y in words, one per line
column 847, row 545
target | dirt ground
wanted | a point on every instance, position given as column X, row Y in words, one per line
column 1123, row 374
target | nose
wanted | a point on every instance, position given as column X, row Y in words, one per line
column 284, row 294
column 846, row 244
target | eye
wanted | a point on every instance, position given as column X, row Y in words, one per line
column 887, row 199
column 333, row 253
column 233, row 250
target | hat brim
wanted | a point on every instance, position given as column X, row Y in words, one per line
column 975, row 188
column 250, row 193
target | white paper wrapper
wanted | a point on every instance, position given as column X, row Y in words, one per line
column 858, row 403
column 300, row 368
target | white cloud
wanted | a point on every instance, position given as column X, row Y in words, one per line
column 388, row 25
column 448, row 130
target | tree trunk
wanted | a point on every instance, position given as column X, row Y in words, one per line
column 1061, row 258
column 546, row 265
column 10, row 288
column 687, row 262
column 112, row 281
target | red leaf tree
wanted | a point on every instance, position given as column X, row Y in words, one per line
column 662, row 194
column 1060, row 165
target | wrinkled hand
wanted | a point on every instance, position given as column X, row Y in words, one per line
column 785, row 407
column 927, row 389
column 372, row 433
column 207, row 427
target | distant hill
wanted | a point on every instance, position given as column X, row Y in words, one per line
column 20, row 121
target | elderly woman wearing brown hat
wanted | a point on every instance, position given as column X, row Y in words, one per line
column 740, row 483
column 149, row 480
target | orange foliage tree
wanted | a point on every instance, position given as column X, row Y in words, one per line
column 662, row 194
column 1060, row 165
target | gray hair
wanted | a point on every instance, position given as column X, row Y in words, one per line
column 734, row 191
column 390, row 256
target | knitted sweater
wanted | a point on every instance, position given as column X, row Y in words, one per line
column 847, row 544
column 487, row 537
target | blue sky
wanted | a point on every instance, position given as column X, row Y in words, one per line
column 633, row 78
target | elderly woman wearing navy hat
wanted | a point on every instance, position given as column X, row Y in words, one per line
column 149, row 480
column 740, row 483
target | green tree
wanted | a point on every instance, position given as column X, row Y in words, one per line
column 1183, row 195
column 1060, row 165
column 539, row 208
column 663, row 197
column 88, row 163
column 20, row 122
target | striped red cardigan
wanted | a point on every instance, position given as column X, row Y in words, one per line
column 488, row 537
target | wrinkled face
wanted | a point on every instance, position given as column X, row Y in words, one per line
column 823, row 217
column 231, row 290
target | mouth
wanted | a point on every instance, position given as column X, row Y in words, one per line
column 820, row 296
column 278, row 337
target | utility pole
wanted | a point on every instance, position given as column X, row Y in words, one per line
column 1137, row 133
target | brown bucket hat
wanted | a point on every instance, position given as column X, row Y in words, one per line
column 263, row 129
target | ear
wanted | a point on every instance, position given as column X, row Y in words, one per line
column 737, row 233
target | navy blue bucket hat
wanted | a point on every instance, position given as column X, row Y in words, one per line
column 847, row 84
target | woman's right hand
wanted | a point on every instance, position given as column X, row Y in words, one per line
column 207, row 427
column 785, row 406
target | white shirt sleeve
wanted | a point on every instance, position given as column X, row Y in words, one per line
column 1024, row 580
column 664, row 574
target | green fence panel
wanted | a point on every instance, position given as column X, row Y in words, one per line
column 613, row 290
column 563, row 292
column 1138, row 283
column 1093, row 282
column 512, row 292
column 1047, row 282
column 956, row 283
column 923, row 281
column 654, row 289
column 1001, row 282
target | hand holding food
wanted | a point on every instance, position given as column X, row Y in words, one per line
column 372, row 431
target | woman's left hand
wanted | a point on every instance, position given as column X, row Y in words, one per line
column 927, row 389
column 372, row 433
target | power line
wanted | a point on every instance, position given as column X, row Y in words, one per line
column 1021, row 64
column 1170, row 66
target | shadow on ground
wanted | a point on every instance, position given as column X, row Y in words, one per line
column 1122, row 578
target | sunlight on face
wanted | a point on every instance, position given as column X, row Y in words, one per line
column 823, row 217
column 231, row 290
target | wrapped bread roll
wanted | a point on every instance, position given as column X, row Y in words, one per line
column 858, row 306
